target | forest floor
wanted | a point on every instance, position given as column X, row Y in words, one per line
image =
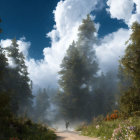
column 71, row 135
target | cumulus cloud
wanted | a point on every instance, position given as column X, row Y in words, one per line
column 124, row 9
column 111, row 49
column 68, row 16
column 113, row 45
column 120, row 9
column 23, row 45
column 137, row 2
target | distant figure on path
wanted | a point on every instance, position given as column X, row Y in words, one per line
column 67, row 124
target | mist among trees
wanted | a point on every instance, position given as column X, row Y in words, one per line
column 85, row 91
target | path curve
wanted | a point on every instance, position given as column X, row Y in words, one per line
column 70, row 135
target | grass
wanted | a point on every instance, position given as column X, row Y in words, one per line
column 105, row 129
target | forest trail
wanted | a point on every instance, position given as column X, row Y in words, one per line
column 70, row 135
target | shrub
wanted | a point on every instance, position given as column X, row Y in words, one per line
column 25, row 129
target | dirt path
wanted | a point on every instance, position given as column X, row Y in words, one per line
column 69, row 135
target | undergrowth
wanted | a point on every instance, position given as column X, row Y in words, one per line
column 119, row 129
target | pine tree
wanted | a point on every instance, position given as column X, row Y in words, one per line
column 130, row 99
column 85, row 45
column 19, row 81
column 78, row 75
column 74, row 96
column 3, row 69
column 5, row 109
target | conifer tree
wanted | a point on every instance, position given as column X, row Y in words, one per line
column 19, row 81
column 5, row 110
column 130, row 64
column 3, row 69
column 73, row 97
column 85, row 44
column 78, row 74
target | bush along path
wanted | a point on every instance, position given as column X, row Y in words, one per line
column 24, row 129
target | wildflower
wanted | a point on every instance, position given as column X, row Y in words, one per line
column 97, row 126
column 132, row 128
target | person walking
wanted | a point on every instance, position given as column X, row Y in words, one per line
column 67, row 124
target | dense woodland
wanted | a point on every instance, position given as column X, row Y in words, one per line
column 84, row 91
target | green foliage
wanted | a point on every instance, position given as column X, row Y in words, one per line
column 24, row 129
column 118, row 129
column 74, row 98
column 130, row 64
column 103, row 130
column 77, row 75
column 21, row 87
column 3, row 70
column 20, row 128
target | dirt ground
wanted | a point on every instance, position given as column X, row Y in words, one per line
column 69, row 135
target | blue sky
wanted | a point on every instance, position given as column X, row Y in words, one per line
column 29, row 18
column 34, row 18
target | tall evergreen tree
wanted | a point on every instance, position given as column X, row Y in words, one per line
column 73, row 97
column 5, row 112
column 130, row 99
column 19, row 81
column 3, row 69
column 78, row 74
column 85, row 45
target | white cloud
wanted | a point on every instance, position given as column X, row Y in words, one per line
column 134, row 17
column 111, row 49
column 113, row 45
column 137, row 2
column 124, row 9
column 120, row 9
column 23, row 45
